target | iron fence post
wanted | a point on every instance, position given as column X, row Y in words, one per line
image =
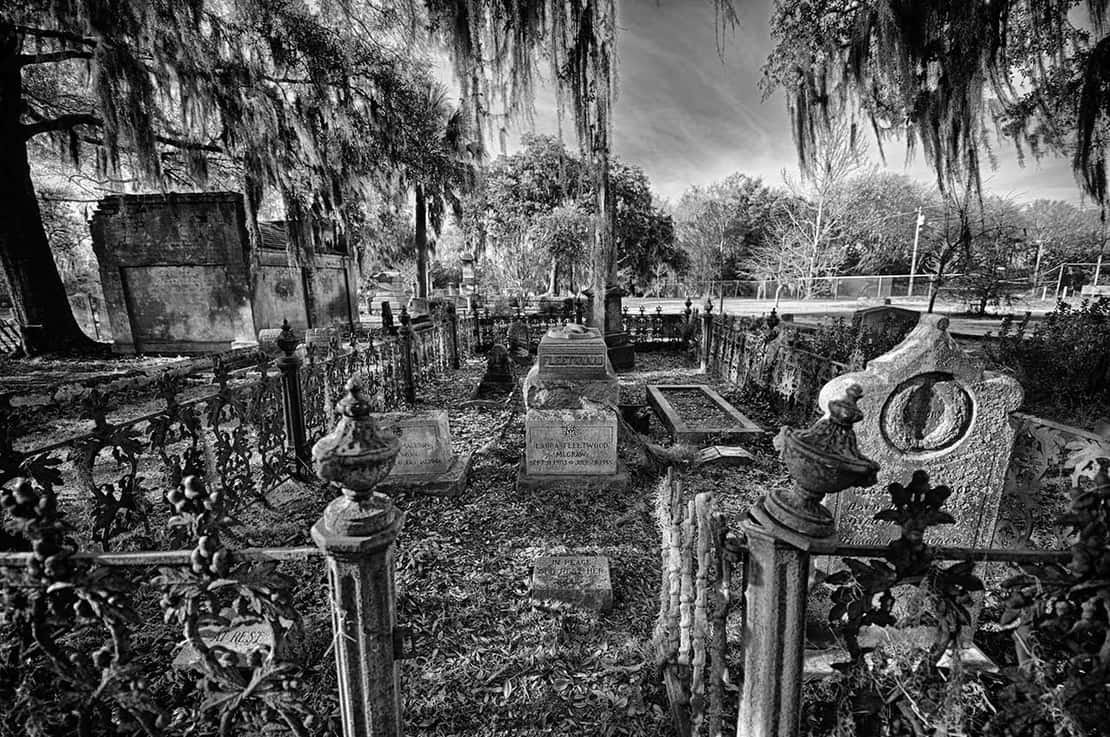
column 781, row 529
column 289, row 363
column 356, row 533
column 405, row 334
column 453, row 328
column 706, row 334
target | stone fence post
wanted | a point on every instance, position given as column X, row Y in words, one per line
column 781, row 530
column 408, row 385
column 289, row 363
column 453, row 334
column 356, row 533
column 706, row 334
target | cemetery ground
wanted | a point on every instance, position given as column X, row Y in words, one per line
column 485, row 661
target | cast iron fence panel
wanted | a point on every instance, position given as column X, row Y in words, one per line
column 81, row 657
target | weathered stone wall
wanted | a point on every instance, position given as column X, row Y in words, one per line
column 174, row 271
column 178, row 275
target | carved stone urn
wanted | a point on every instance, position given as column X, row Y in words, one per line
column 357, row 455
column 821, row 460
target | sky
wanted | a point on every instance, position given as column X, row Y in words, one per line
column 687, row 116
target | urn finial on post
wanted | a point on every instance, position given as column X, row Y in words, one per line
column 356, row 533
column 783, row 527
column 356, row 455
column 821, row 460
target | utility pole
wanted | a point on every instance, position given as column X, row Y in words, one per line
column 913, row 258
column 1037, row 267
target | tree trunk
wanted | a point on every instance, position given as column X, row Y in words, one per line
column 553, row 277
column 604, row 261
column 38, row 295
column 421, row 243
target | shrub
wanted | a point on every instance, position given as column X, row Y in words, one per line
column 843, row 341
column 1064, row 362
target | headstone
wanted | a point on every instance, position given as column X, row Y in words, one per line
column 319, row 337
column 929, row 405
column 468, row 278
column 570, row 442
column 876, row 319
column 497, row 382
column 571, row 364
column 577, row 580
column 387, row 319
column 571, row 447
column 622, row 354
column 519, row 342
column 426, row 463
column 267, row 341
column 174, row 271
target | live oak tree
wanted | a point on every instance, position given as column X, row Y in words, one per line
column 538, row 206
column 298, row 100
column 496, row 48
column 945, row 74
column 720, row 225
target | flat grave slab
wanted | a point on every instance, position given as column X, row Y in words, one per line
column 578, row 580
column 695, row 413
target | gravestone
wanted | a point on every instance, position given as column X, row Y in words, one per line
column 498, row 380
column 622, row 354
column 174, row 270
column 179, row 275
column 571, row 426
column 571, row 364
column 426, row 463
column 578, row 580
column 519, row 342
column 571, row 447
column 878, row 318
column 929, row 405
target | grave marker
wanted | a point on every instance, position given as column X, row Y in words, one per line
column 426, row 463
column 579, row 580
column 570, row 443
column 929, row 405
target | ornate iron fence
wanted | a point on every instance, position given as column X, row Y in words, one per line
column 646, row 329
column 83, row 654
column 245, row 430
column 720, row 582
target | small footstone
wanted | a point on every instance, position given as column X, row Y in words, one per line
column 578, row 580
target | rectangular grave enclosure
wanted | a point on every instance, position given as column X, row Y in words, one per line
column 693, row 413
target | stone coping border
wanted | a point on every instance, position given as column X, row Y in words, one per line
column 684, row 432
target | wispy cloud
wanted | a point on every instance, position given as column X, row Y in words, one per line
column 688, row 115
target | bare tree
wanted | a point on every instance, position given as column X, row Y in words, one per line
column 806, row 228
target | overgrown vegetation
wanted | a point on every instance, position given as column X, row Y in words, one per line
column 1062, row 362
column 846, row 341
